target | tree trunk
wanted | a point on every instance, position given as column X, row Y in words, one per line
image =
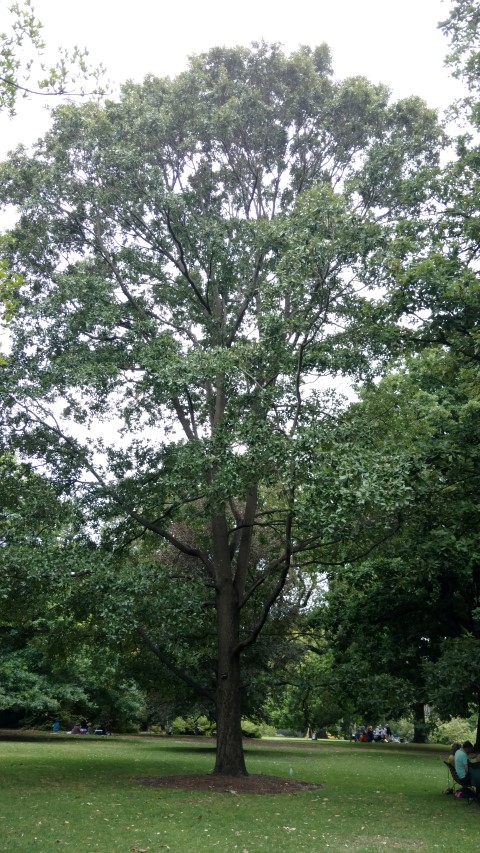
column 230, row 760
column 419, row 726
column 477, row 738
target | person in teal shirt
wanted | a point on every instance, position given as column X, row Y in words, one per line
column 461, row 763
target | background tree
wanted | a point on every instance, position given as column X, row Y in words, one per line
column 195, row 258
column 430, row 268
column 421, row 592
column 51, row 662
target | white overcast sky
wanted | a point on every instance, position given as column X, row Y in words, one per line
column 396, row 43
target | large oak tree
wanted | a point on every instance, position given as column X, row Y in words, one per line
column 195, row 266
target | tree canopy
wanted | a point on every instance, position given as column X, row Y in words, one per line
column 197, row 261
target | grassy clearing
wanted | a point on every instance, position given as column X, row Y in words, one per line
column 81, row 795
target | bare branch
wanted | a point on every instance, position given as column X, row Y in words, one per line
column 185, row 424
column 60, row 94
column 181, row 263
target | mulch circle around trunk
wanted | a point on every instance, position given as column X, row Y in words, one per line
column 254, row 784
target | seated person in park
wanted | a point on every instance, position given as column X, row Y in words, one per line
column 379, row 733
column 461, row 763
column 453, row 749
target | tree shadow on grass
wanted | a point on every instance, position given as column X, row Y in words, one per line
column 16, row 736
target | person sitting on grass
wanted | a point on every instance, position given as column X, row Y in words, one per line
column 461, row 764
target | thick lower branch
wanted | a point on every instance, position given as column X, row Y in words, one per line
column 83, row 455
column 165, row 660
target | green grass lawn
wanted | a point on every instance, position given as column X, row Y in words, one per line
column 82, row 795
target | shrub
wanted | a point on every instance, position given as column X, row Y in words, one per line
column 268, row 731
column 179, row 726
column 457, row 728
column 186, row 725
column 250, row 729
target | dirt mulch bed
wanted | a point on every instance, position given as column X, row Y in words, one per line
column 254, row 784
